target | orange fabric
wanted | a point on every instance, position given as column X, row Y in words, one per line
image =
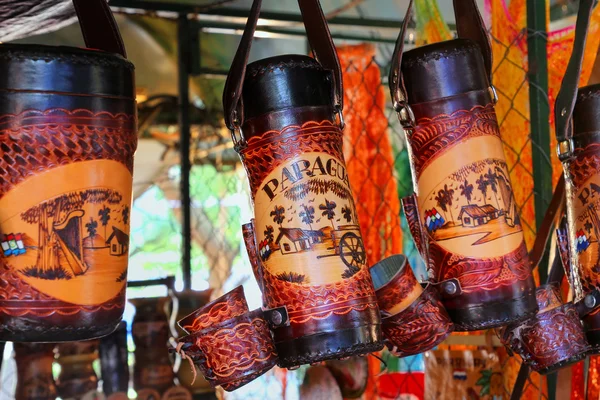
column 369, row 154
column 560, row 44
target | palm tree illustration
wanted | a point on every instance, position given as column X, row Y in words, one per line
column 104, row 215
column 125, row 214
column 492, row 179
column 347, row 213
column 442, row 202
column 269, row 233
column 588, row 227
column 328, row 210
column 448, row 194
column 91, row 227
column 278, row 215
column 307, row 215
column 482, row 185
column 466, row 190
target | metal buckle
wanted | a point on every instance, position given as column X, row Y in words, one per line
column 449, row 288
column 589, row 303
column 565, row 149
column 494, row 94
column 277, row 317
column 340, row 116
column 405, row 114
column 241, row 142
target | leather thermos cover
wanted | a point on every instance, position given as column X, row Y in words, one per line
column 582, row 178
column 311, row 256
column 466, row 216
column 309, row 242
column 67, row 138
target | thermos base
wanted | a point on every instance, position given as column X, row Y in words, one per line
column 563, row 363
column 493, row 315
column 18, row 330
column 329, row 346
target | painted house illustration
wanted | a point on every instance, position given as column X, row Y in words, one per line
column 474, row 215
column 118, row 242
column 582, row 241
column 294, row 240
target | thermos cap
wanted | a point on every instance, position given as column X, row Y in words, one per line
column 443, row 69
column 586, row 115
column 285, row 82
column 65, row 70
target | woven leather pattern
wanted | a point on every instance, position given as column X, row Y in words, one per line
column 36, row 141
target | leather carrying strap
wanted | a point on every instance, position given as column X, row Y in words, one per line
column 98, row 26
column 319, row 39
column 469, row 25
column 545, row 230
column 565, row 100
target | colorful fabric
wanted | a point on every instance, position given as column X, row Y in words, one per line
column 368, row 153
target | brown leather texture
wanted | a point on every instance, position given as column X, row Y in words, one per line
column 468, row 216
column 63, row 264
column 319, row 39
column 325, row 285
column 553, row 338
column 395, row 283
column 232, row 304
column 420, row 327
column 235, row 352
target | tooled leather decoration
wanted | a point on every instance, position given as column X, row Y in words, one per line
column 491, row 273
column 14, row 289
column 234, row 305
column 222, row 348
column 320, row 301
column 41, row 140
column 586, row 165
column 402, row 288
column 423, row 324
column 448, row 131
column 266, row 152
column 540, row 343
column 546, row 299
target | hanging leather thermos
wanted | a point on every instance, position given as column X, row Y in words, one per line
column 466, row 219
column 577, row 116
column 67, row 138
column 582, row 178
column 285, row 115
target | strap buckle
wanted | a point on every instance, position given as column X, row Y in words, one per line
column 565, row 149
column 239, row 142
column 494, row 94
column 405, row 114
column 339, row 116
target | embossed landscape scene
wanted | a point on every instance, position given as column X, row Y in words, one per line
column 308, row 232
column 472, row 209
column 72, row 239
